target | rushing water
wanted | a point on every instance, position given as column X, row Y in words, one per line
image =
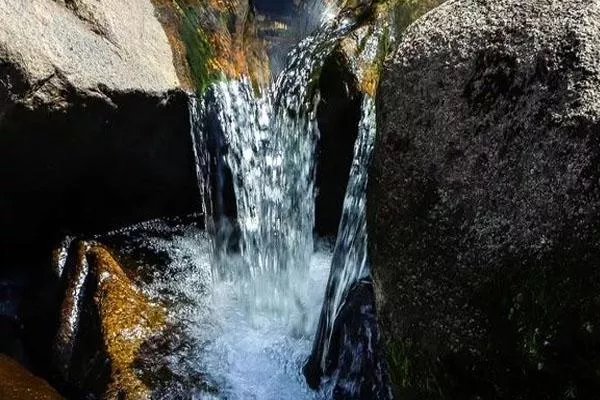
column 268, row 142
column 268, row 284
column 219, row 348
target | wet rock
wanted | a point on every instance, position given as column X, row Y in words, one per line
column 16, row 383
column 353, row 368
column 127, row 320
column 105, row 320
column 483, row 202
column 121, row 333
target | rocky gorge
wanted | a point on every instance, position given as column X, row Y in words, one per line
column 320, row 199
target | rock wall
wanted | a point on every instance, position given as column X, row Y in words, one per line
column 483, row 202
column 94, row 132
column 93, row 166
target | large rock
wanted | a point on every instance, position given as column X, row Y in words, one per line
column 484, row 202
column 93, row 130
column 49, row 46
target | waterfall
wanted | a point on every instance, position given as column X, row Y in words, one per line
column 267, row 140
column 346, row 346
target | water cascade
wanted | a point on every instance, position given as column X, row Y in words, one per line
column 346, row 343
column 269, row 285
column 270, row 140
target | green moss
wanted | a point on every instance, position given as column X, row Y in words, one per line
column 198, row 48
column 399, row 363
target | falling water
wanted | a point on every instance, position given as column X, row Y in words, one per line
column 346, row 347
column 270, row 141
column 268, row 293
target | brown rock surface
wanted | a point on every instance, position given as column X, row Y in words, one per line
column 213, row 39
column 97, row 287
column 16, row 383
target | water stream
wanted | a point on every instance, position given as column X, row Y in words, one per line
column 268, row 281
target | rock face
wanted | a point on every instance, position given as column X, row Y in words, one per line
column 93, row 131
column 338, row 114
column 17, row 383
column 484, row 202
column 49, row 46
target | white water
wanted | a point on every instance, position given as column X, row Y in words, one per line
column 266, row 300
column 256, row 356
column 270, row 139
column 243, row 354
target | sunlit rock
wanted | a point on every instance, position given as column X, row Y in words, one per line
column 127, row 320
column 128, row 297
column 49, row 48
column 92, row 120
column 214, row 40
column 105, row 320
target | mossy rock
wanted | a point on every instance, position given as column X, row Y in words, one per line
column 213, row 41
column 105, row 323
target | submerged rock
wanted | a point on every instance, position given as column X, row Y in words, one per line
column 16, row 383
column 484, row 202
